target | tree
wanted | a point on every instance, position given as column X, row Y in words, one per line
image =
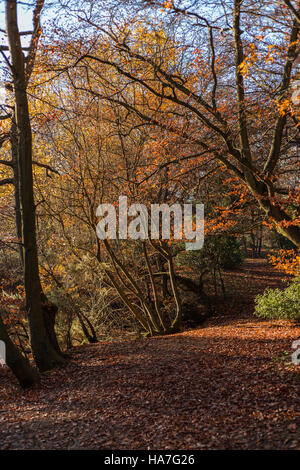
column 196, row 105
column 92, row 176
column 41, row 314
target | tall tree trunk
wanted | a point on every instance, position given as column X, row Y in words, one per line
column 45, row 355
column 19, row 365
column 14, row 157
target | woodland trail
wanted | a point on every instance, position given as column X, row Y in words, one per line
column 225, row 385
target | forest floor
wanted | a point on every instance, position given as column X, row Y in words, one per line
column 227, row 385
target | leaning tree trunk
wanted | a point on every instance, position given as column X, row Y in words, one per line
column 19, row 365
column 45, row 354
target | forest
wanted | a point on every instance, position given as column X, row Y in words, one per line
column 150, row 225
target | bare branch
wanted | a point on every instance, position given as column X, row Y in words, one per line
column 293, row 10
column 6, row 181
column 281, row 120
column 44, row 165
column 34, row 38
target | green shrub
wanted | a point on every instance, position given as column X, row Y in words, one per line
column 229, row 251
column 282, row 304
column 219, row 251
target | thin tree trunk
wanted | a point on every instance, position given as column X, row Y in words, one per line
column 14, row 157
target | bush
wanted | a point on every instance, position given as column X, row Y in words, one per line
column 82, row 297
column 230, row 253
column 282, row 304
column 219, row 251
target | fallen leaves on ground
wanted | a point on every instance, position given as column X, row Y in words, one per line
column 223, row 386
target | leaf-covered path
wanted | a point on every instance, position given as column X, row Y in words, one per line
column 223, row 386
